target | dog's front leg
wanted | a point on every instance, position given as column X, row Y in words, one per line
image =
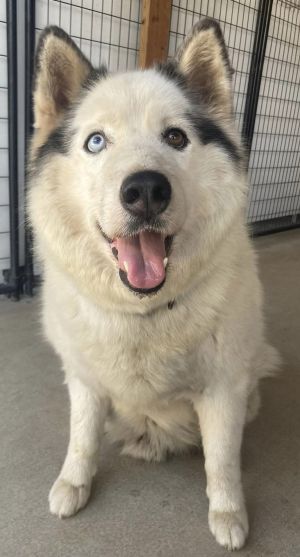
column 71, row 490
column 222, row 415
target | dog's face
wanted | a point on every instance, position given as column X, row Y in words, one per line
column 136, row 177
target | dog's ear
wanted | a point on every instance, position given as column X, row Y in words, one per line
column 60, row 71
column 204, row 61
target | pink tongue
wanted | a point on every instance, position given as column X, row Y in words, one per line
column 142, row 258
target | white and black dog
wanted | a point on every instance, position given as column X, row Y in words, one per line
column 151, row 295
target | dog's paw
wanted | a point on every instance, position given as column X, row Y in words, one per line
column 66, row 499
column 229, row 528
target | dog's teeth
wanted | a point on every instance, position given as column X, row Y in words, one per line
column 165, row 262
column 126, row 266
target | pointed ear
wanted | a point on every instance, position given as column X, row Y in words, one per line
column 204, row 61
column 60, row 71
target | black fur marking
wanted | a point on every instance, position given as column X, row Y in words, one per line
column 208, row 131
column 170, row 71
column 171, row 304
column 142, row 291
column 57, row 142
column 94, row 77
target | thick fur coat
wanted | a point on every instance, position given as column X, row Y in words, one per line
column 157, row 366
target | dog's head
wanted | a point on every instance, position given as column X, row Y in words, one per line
column 137, row 176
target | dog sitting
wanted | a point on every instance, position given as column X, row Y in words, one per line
column 151, row 295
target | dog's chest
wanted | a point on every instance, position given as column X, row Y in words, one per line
column 140, row 358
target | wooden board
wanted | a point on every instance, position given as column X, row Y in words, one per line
column 155, row 26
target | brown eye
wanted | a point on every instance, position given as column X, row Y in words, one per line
column 175, row 138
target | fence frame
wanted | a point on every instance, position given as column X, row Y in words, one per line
column 29, row 71
column 12, row 276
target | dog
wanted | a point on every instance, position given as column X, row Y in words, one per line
column 151, row 295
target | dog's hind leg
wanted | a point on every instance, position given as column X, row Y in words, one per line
column 266, row 364
column 71, row 490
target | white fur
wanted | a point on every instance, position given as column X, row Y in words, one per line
column 151, row 372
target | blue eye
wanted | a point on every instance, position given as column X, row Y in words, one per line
column 95, row 143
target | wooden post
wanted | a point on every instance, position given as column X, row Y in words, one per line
column 154, row 38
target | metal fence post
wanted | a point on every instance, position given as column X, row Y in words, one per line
column 12, row 78
column 29, row 69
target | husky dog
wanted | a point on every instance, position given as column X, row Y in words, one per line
column 151, row 295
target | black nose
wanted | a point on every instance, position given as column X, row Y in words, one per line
column 145, row 194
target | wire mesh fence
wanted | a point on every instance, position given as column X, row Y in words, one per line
column 107, row 31
column 4, row 190
column 275, row 154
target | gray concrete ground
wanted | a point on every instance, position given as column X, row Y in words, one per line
column 139, row 509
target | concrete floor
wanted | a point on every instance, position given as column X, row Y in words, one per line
column 139, row 509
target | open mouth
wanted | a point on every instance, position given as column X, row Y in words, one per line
column 142, row 260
